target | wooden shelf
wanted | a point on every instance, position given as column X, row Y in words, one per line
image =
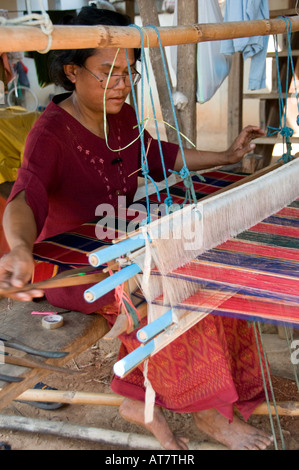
column 295, row 53
column 265, row 96
column 284, row 12
column 274, row 140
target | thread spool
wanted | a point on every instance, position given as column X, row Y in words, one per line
column 51, row 322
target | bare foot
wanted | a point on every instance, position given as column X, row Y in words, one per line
column 237, row 435
column 133, row 411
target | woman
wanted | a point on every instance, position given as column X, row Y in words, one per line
column 68, row 170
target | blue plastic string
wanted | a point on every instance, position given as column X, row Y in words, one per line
column 140, row 123
column 184, row 173
column 168, row 201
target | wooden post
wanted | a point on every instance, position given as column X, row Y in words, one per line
column 235, row 99
column 186, row 71
column 130, row 11
column 149, row 15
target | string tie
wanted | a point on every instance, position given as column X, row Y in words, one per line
column 287, row 156
column 284, row 131
column 123, row 301
column 184, row 173
column 287, row 132
column 168, row 201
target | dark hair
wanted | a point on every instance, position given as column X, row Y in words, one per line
column 92, row 16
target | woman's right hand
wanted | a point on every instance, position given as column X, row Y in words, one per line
column 16, row 270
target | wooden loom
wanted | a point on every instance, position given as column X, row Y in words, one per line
column 235, row 199
column 31, row 38
column 222, row 207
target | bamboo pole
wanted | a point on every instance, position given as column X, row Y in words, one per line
column 31, row 38
column 72, row 431
column 285, row 408
column 70, row 397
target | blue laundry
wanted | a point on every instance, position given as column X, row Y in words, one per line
column 254, row 47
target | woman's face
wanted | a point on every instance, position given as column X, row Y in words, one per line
column 90, row 90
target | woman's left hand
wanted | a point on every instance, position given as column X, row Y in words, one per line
column 243, row 143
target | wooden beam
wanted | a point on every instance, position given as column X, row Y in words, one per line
column 235, row 98
column 186, row 72
column 31, row 38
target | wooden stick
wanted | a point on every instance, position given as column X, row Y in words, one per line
column 246, row 179
column 31, row 38
column 71, row 397
column 66, row 279
column 121, row 324
column 285, row 408
column 111, row 267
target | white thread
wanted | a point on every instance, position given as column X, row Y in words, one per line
column 149, row 396
column 33, row 19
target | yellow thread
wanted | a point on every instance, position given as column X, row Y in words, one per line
column 169, row 125
column 144, row 121
column 105, row 114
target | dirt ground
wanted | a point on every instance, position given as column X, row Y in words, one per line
column 97, row 362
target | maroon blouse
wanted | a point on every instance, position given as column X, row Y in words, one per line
column 67, row 171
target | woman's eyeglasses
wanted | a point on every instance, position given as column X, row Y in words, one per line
column 113, row 80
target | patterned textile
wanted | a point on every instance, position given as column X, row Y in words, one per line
column 212, row 365
column 260, row 267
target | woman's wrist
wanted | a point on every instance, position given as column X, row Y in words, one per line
column 21, row 245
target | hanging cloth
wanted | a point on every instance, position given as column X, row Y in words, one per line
column 253, row 47
column 212, row 66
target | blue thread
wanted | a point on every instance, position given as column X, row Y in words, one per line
column 144, row 163
column 285, row 131
column 184, row 173
column 169, row 198
column 185, row 170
